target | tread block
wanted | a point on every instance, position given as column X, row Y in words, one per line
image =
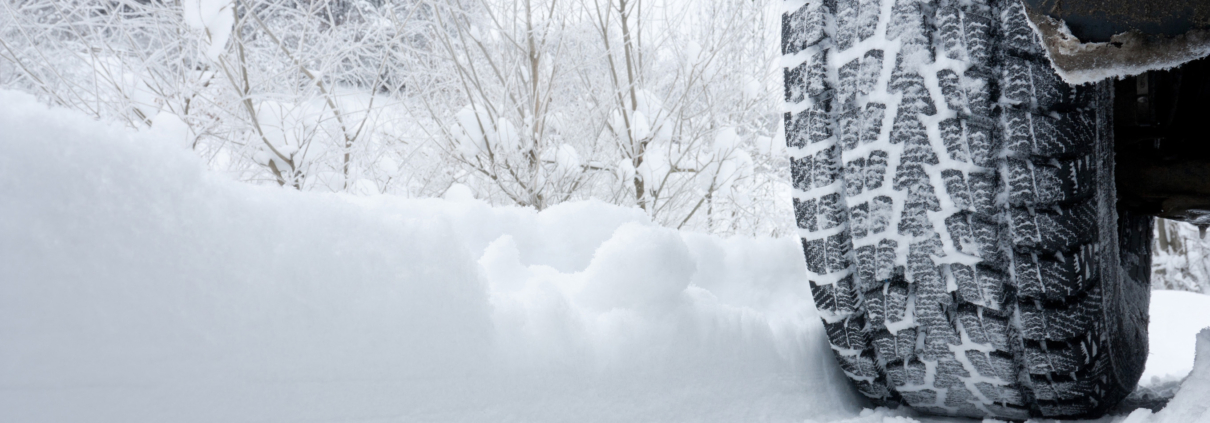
column 897, row 296
column 1032, row 184
column 848, row 334
column 905, row 343
column 908, row 23
column 837, row 298
column 1020, row 182
column 885, row 261
column 1031, row 85
column 968, row 286
column 1042, row 322
column 916, row 98
column 959, row 192
column 984, row 187
column 854, row 176
column 995, row 366
column 819, row 128
column 980, row 84
column 1061, row 390
column 804, row 27
column 858, row 79
column 898, row 346
column 962, row 399
column 1018, row 36
column 950, row 31
column 862, row 365
column 813, row 250
column 858, row 216
column 799, row 127
column 1028, row 134
column 1001, row 394
column 908, row 127
column 918, row 151
column 951, row 90
column 1072, row 129
column 857, row 20
column 987, row 238
column 875, row 167
column 831, row 211
column 978, row 331
column 982, row 142
column 838, row 248
column 908, row 372
column 1047, row 229
column 849, row 125
column 846, row 92
column 871, row 68
column 805, row 212
column 963, row 239
column 871, row 123
column 880, row 214
column 847, row 12
column 875, row 389
column 908, row 175
column 867, row 19
column 1055, row 277
column 815, row 79
column 954, row 137
column 978, row 31
column 923, row 397
column 914, row 220
column 1066, row 359
column 1071, row 180
column 992, row 281
column 875, row 308
column 826, row 168
column 980, row 285
column 949, row 374
column 937, row 341
column 794, row 87
column 867, row 281
column 800, row 173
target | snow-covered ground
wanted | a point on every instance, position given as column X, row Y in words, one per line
column 137, row 287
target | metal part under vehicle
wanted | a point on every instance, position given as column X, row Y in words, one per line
column 1091, row 40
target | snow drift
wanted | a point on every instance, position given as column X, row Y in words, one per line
column 138, row 287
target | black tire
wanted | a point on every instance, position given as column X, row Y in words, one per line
column 957, row 210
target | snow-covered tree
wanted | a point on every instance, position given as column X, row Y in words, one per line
column 671, row 107
column 1180, row 257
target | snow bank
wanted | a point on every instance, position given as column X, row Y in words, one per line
column 1189, row 405
column 1176, row 318
column 135, row 286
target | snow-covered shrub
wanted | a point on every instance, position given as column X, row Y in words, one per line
column 1180, row 257
column 666, row 106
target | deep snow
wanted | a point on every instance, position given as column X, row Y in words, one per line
column 135, row 286
column 138, row 287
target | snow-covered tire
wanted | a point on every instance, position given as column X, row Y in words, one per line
column 956, row 204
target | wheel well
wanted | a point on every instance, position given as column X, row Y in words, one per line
column 1162, row 142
